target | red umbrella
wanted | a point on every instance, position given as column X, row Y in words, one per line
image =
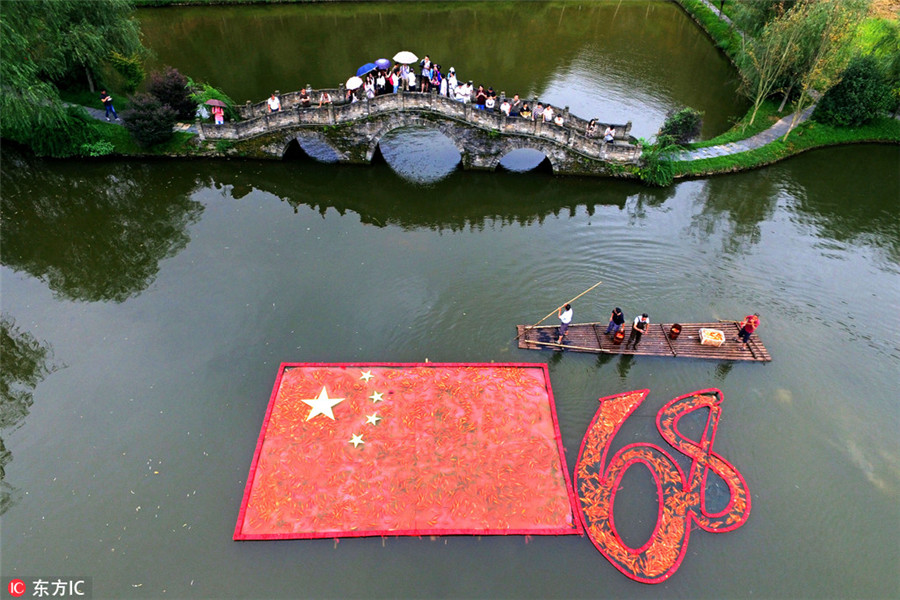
column 214, row 102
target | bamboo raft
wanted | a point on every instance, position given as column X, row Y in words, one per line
column 590, row 337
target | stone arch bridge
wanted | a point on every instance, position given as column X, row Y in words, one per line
column 353, row 132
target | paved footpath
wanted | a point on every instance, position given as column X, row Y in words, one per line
column 759, row 140
column 100, row 115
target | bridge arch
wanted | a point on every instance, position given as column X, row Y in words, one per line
column 448, row 128
column 310, row 143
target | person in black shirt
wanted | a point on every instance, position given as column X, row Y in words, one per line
column 616, row 321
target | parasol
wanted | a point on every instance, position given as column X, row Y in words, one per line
column 354, row 83
column 214, row 102
column 405, row 57
column 383, row 63
column 366, row 68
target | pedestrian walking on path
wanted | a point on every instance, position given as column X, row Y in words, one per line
column 107, row 101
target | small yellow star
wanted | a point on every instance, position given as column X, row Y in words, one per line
column 373, row 418
column 376, row 397
column 367, row 375
column 356, row 441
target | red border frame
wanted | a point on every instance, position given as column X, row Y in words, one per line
column 577, row 526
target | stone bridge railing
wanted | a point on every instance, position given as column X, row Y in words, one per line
column 570, row 136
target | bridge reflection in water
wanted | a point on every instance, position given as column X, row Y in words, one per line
column 352, row 132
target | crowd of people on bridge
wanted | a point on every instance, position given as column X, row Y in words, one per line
column 403, row 77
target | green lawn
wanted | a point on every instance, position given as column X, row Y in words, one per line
column 805, row 136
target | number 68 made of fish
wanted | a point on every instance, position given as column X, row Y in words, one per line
column 682, row 499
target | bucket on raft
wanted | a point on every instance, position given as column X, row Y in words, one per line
column 619, row 336
column 674, row 331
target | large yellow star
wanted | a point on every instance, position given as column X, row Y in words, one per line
column 322, row 405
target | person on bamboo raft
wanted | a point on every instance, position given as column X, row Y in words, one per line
column 565, row 317
column 616, row 321
column 638, row 329
column 748, row 326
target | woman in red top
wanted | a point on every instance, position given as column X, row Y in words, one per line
column 748, row 326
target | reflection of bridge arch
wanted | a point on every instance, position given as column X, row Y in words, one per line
column 353, row 131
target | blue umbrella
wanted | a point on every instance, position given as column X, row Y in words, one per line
column 366, row 68
column 383, row 63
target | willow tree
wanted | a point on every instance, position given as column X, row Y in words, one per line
column 827, row 28
column 43, row 42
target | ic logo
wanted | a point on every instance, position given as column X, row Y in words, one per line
column 16, row 588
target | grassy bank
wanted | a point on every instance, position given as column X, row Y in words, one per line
column 722, row 34
column 806, row 136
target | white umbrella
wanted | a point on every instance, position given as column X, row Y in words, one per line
column 405, row 57
column 353, row 83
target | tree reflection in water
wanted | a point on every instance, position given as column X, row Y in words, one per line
column 25, row 362
column 93, row 233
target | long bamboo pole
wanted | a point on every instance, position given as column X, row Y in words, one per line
column 571, row 347
column 550, row 314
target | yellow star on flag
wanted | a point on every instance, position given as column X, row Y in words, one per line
column 376, row 397
column 373, row 418
column 356, row 441
column 367, row 375
column 322, row 405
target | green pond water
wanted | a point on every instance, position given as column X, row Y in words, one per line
column 167, row 293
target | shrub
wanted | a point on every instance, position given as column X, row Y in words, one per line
column 858, row 98
column 657, row 168
column 98, row 148
column 148, row 120
column 682, row 126
column 171, row 87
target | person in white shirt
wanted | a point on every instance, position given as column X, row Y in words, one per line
column 548, row 114
column 274, row 103
column 504, row 107
column 564, row 319
column 609, row 134
column 452, row 83
column 639, row 328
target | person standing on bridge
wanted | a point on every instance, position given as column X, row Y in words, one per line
column 548, row 114
column 404, row 78
column 274, row 103
column 609, row 135
column 515, row 107
column 480, row 97
column 452, row 83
